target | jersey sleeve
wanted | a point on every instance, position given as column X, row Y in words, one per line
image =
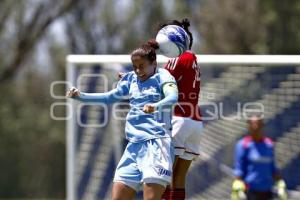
column 274, row 168
column 174, row 68
column 177, row 66
column 171, row 96
column 117, row 94
column 239, row 160
column 169, row 89
column 166, row 77
column 123, row 85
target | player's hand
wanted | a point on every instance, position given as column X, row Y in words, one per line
column 73, row 92
column 281, row 189
column 148, row 108
column 121, row 75
column 238, row 190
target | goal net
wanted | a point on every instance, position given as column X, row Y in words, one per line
column 232, row 86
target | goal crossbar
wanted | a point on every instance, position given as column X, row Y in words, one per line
column 202, row 59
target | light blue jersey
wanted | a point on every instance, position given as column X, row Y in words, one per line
column 141, row 126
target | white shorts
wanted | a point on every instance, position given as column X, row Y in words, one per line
column 150, row 161
column 186, row 136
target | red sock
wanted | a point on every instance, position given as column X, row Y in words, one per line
column 166, row 194
column 177, row 194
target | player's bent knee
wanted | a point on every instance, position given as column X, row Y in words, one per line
column 153, row 191
column 122, row 196
column 178, row 182
column 179, row 176
column 121, row 191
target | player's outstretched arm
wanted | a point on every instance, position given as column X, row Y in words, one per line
column 107, row 97
column 171, row 96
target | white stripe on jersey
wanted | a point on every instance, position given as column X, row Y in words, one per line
column 172, row 63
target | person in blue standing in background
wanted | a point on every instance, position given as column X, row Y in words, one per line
column 148, row 158
column 255, row 170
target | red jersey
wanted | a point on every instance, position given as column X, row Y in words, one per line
column 187, row 74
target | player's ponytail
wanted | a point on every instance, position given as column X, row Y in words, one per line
column 185, row 23
column 152, row 43
column 147, row 50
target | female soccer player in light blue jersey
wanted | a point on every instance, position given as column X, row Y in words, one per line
column 148, row 158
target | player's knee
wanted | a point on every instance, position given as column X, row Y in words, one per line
column 153, row 191
column 179, row 175
column 152, row 196
column 114, row 197
column 149, row 197
column 178, row 182
column 122, row 197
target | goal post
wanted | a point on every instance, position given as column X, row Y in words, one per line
column 73, row 62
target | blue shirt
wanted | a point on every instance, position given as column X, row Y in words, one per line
column 141, row 126
column 254, row 163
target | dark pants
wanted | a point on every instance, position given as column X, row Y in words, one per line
column 258, row 195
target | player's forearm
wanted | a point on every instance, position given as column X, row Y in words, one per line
column 239, row 161
column 107, row 98
column 92, row 97
column 171, row 95
column 170, row 99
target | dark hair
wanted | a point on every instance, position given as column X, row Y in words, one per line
column 147, row 50
column 185, row 23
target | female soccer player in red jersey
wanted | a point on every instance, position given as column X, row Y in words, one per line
column 187, row 123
